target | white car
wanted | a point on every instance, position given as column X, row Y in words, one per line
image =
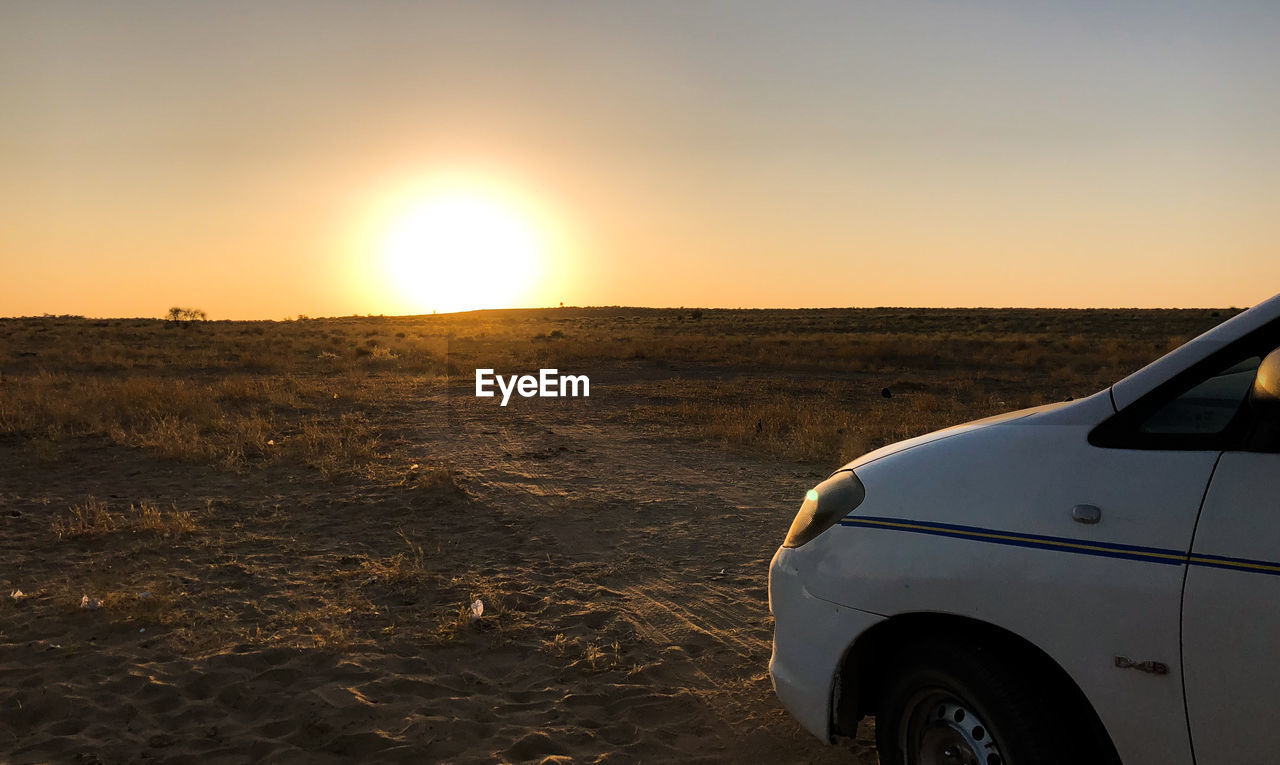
column 1089, row 582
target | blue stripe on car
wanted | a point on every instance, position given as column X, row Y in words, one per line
column 1159, row 555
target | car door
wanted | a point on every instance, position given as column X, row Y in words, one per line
column 1231, row 591
column 1231, row 614
column 1224, row 631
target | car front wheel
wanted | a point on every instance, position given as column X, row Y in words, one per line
column 954, row 704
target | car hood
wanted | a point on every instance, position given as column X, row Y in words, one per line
column 954, row 430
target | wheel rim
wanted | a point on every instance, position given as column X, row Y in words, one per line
column 940, row 729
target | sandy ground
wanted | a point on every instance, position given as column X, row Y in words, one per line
column 624, row 575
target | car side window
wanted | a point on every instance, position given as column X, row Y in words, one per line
column 1208, row 407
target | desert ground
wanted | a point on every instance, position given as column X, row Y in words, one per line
column 234, row 541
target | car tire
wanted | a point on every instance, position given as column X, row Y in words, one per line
column 956, row 704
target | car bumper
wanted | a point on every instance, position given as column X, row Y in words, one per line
column 810, row 638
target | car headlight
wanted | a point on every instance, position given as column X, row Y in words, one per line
column 824, row 505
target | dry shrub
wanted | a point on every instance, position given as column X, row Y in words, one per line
column 402, row 568
column 307, row 623
column 432, row 477
column 451, row 625
column 585, row 654
column 92, row 518
column 171, row 437
column 88, row 519
column 336, row 447
column 147, row 516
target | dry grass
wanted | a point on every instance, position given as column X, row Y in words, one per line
column 165, row 523
column 88, row 519
column 404, row 568
column 237, row 422
column 92, row 518
column 314, row 392
column 429, row 477
column 584, row 653
column 451, row 625
column 819, row 420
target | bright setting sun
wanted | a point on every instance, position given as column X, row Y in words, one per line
column 462, row 251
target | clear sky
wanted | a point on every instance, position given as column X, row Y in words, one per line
column 257, row 159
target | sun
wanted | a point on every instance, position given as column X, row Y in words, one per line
column 462, row 251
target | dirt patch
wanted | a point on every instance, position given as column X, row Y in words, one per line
column 623, row 580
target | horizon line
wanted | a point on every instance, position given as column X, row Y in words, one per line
column 306, row 317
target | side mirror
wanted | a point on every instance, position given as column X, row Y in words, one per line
column 1264, row 396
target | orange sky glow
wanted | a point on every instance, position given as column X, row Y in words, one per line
column 264, row 161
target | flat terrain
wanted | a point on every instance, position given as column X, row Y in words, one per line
column 263, row 540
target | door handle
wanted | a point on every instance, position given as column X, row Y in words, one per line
column 1089, row 514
